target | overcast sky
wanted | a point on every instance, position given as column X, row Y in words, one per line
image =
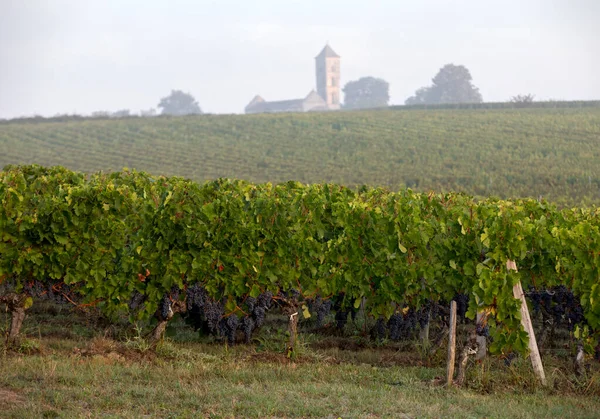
column 59, row 56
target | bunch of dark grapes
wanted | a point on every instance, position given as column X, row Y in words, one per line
column 509, row 358
column 196, row 297
column 482, row 330
column 250, row 304
column 560, row 303
column 410, row 322
column 341, row 318
column 34, row 288
column 175, row 293
column 557, row 311
column 380, row 331
column 536, row 299
column 546, row 299
column 295, row 295
column 575, row 316
column 263, row 303
column 259, row 315
column 597, row 353
column 462, row 303
column 322, row 308
column 213, row 311
column 435, row 311
column 58, row 292
column 394, row 325
column 136, row 300
column 228, row 327
column 164, row 308
column 265, row 299
column 423, row 317
column 248, row 326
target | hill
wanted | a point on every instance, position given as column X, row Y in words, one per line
column 552, row 153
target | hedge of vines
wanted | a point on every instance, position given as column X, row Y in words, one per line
column 146, row 246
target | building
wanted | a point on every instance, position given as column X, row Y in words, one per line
column 328, row 77
column 326, row 97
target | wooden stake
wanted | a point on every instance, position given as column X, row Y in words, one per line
column 536, row 359
column 293, row 329
column 451, row 344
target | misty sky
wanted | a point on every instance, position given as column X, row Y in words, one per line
column 59, row 56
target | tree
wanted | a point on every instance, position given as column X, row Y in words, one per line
column 521, row 101
column 367, row 92
column 179, row 103
column 123, row 113
column 452, row 84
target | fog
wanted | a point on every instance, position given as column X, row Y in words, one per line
column 59, row 56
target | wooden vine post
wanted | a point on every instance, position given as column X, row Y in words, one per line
column 536, row 359
column 16, row 304
column 451, row 345
column 293, row 329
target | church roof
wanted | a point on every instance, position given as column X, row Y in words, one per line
column 312, row 102
column 313, row 95
column 275, row 106
column 327, row 52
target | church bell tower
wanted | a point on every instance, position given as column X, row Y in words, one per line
column 328, row 77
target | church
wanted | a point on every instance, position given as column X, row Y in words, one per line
column 326, row 97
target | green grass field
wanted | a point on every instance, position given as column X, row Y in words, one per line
column 552, row 153
column 67, row 365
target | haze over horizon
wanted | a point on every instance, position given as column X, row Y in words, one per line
column 79, row 57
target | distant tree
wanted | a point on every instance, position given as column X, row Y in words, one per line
column 522, row 100
column 179, row 103
column 148, row 112
column 366, row 92
column 421, row 97
column 100, row 114
column 121, row 113
column 452, row 84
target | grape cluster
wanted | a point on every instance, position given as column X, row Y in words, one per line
column 341, row 318
column 322, row 308
column 462, row 303
column 401, row 326
column 265, row 299
column 248, row 325
column 535, row 298
column 394, row 325
column 34, row 288
column 137, row 299
column 196, row 297
column 164, row 308
column 202, row 311
column 250, row 304
column 212, row 313
column 482, row 330
column 263, row 303
column 558, row 302
column 380, row 331
column 423, row 316
column 510, row 358
column 228, row 327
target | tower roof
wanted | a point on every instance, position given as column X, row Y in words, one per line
column 327, row 52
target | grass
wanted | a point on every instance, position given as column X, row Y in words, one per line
column 508, row 153
column 188, row 376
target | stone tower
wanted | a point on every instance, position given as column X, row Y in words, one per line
column 328, row 77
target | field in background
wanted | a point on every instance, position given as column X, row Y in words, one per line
column 552, row 153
